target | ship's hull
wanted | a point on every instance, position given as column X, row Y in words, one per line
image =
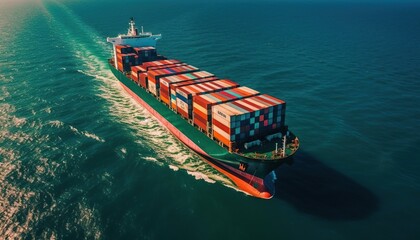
column 254, row 179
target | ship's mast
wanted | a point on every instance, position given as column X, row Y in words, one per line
column 132, row 30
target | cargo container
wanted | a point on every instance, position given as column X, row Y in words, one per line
column 247, row 119
column 126, row 61
column 135, row 71
column 123, row 49
column 147, row 65
column 142, row 75
column 153, row 76
column 166, row 82
column 145, row 54
column 145, row 51
column 202, row 104
column 174, row 86
column 143, row 80
column 184, row 95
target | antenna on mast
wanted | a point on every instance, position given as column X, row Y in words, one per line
column 132, row 29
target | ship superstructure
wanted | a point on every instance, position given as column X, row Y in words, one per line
column 134, row 38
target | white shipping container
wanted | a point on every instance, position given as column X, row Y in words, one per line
column 152, row 88
column 164, row 82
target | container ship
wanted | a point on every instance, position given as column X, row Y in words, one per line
column 237, row 130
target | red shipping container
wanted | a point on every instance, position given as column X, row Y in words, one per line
column 170, row 71
column 134, row 77
column 155, row 75
column 160, row 63
column 120, row 66
column 143, row 80
column 164, row 95
column 201, row 122
column 164, row 99
column 222, row 126
column 165, row 66
column 174, row 86
column 183, row 113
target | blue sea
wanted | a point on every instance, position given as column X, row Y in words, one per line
column 79, row 159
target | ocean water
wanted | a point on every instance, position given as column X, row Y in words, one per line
column 79, row 159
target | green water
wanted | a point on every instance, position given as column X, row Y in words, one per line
column 79, row 159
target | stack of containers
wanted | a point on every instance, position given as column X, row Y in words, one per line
column 125, row 61
column 184, row 95
column 153, row 76
column 125, row 57
column 166, row 82
column 123, row 49
column 147, row 65
column 155, row 65
column 146, row 54
column 166, row 66
column 135, row 72
column 176, row 85
column 247, row 119
column 142, row 76
column 202, row 103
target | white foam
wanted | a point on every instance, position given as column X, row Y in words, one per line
column 86, row 134
column 74, row 129
column 18, row 121
column 6, row 165
column 92, row 136
column 152, row 159
column 18, row 137
column 56, row 123
column 201, row 176
column 175, row 168
column 4, row 93
column 124, row 150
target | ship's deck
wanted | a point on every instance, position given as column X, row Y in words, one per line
column 266, row 151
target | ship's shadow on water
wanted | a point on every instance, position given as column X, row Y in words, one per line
column 316, row 189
